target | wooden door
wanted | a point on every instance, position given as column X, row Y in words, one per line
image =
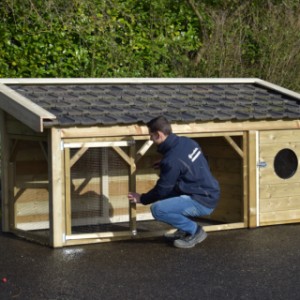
column 279, row 177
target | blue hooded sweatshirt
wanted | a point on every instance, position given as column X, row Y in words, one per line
column 183, row 171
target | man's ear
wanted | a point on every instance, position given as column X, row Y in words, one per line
column 161, row 136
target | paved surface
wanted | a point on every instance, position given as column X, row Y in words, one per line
column 261, row 263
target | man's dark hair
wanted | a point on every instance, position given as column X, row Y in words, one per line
column 160, row 124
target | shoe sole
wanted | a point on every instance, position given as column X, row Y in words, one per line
column 172, row 238
column 177, row 243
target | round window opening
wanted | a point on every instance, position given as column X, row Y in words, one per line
column 285, row 163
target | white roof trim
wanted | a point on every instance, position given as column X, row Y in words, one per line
column 123, row 80
column 277, row 88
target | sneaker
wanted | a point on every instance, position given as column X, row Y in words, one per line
column 178, row 234
column 190, row 241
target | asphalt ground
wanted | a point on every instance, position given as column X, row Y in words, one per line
column 262, row 263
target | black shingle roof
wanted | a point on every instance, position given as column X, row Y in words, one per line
column 109, row 104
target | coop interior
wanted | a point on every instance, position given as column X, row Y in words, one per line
column 97, row 179
column 29, row 189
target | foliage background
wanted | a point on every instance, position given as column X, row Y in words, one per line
column 151, row 38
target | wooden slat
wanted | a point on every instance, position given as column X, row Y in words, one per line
column 32, row 218
column 142, row 151
column 245, row 173
column 211, row 228
column 252, row 179
column 280, row 217
column 280, row 136
column 268, row 175
column 57, row 199
column 96, row 140
column 67, row 173
column 78, row 155
column 194, row 135
column 280, row 190
column 102, row 144
column 81, row 239
column 100, row 235
column 32, row 194
column 232, row 143
column 280, row 203
column 270, row 150
column 200, row 129
column 4, row 172
column 123, row 154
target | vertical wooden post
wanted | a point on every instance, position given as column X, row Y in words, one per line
column 245, row 179
column 56, row 193
column 67, row 175
column 132, row 188
column 252, row 179
column 4, row 173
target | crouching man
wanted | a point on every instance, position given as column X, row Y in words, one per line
column 185, row 189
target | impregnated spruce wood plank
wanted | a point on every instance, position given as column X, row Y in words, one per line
column 57, row 197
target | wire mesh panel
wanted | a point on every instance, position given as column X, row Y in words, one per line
column 99, row 184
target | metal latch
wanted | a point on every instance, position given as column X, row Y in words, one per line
column 262, row 164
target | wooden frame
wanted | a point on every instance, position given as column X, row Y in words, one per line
column 57, row 198
column 4, row 174
column 83, row 146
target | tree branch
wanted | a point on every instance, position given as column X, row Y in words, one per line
column 203, row 32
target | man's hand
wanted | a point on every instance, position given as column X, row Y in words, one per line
column 134, row 197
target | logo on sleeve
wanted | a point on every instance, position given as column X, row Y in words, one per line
column 194, row 155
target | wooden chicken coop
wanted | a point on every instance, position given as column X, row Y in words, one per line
column 72, row 149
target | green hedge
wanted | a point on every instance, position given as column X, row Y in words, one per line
column 166, row 38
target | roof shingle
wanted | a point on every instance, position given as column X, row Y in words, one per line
column 107, row 104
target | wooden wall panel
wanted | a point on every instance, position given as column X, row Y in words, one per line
column 17, row 128
column 279, row 198
column 227, row 167
column 31, row 186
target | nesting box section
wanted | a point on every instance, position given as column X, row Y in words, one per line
column 279, row 177
column 73, row 149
